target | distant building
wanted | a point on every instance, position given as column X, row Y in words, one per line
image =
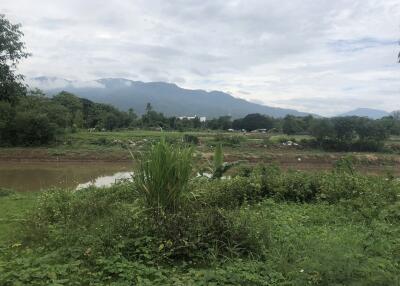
column 202, row 118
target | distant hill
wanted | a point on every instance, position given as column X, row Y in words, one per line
column 366, row 112
column 164, row 97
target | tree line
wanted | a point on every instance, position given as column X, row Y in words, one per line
column 32, row 118
column 350, row 133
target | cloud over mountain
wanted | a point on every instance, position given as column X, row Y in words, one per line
column 281, row 53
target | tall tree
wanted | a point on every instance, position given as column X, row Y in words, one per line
column 12, row 50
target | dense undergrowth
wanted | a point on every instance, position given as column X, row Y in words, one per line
column 262, row 227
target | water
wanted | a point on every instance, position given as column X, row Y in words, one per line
column 39, row 176
column 43, row 175
column 106, row 181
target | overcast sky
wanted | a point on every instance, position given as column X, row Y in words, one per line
column 319, row 56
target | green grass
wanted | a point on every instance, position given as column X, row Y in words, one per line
column 13, row 210
column 266, row 227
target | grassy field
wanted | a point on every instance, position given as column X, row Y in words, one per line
column 13, row 209
column 266, row 227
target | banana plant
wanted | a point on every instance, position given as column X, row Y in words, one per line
column 219, row 167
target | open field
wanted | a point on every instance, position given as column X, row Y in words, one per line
column 252, row 148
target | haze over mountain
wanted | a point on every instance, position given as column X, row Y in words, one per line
column 164, row 97
column 366, row 112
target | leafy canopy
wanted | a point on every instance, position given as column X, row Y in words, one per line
column 12, row 50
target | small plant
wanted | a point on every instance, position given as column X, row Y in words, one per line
column 190, row 139
column 345, row 165
column 219, row 166
column 4, row 192
column 162, row 175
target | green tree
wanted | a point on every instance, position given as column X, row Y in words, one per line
column 7, row 114
column 345, row 128
column 222, row 123
column 12, row 51
column 78, row 119
column 132, row 117
column 33, row 129
column 254, row 121
column 396, row 115
column 322, row 129
column 291, row 125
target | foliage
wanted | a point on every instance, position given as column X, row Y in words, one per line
column 219, row 167
column 253, row 121
column 12, row 50
column 162, row 175
column 37, row 120
column 190, row 139
column 350, row 134
column 267, row 228
column 220, row 123
column 291, row 125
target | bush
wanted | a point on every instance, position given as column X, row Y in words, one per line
column 190, row 139
column 91, row 223
column 229, row 194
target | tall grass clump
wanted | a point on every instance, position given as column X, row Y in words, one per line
column 162, row 175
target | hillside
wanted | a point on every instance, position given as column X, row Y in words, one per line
column 366, row 112
column 164, row 97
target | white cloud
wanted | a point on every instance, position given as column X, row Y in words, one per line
column 319, row 56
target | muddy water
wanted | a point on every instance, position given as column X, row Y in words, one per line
column 44, row 175
column 39, row 176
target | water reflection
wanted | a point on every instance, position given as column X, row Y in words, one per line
column 38, row 176
column 106, row 181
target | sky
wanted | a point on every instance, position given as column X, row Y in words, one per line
column 319, row 56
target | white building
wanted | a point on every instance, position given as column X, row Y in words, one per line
column 201, row 118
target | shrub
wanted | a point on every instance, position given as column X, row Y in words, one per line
column 190, row 139
column 228, row 194
column 4, row 192
column 197, row 234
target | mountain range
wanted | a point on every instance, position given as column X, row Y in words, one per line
column 367, row 112
column 171, row 99
column 168, row 98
